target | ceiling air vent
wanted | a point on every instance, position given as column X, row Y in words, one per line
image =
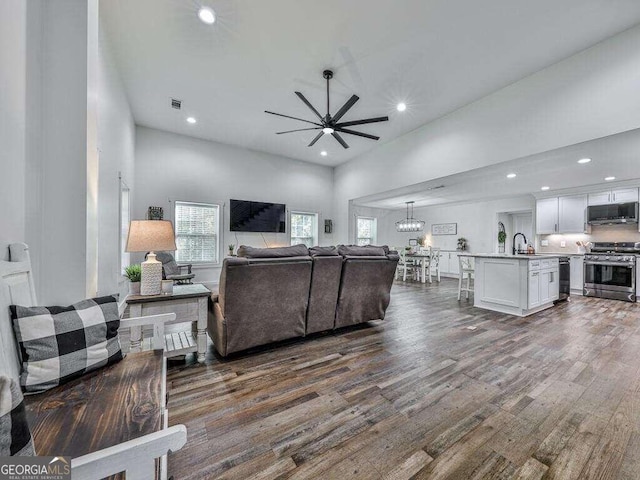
column 177, row 104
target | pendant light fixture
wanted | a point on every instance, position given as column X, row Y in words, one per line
column 410, row 224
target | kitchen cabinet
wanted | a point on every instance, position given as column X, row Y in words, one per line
column 625, row 195
column 534, row 289
column 549, row 285
column 515, row 284
column 577, row 274
column 547, row 216
column 544, row 282
column 572, row 214
column 561, row 214
column 620, row 195
column 600, row 198
column 449, row 266
column 454, row 266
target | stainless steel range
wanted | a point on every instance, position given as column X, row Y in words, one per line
column 610, row 270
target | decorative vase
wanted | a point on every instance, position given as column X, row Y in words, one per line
column 134, row 288
column 501, row 248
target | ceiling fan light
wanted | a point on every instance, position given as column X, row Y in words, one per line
column 327, row 130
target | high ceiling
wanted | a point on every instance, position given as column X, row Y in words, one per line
column 617, row 156
column 434, row 55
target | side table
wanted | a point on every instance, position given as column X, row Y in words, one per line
column 189, row 303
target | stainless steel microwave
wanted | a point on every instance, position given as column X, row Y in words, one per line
column 612, row 213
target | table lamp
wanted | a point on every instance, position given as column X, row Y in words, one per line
column 150, row 236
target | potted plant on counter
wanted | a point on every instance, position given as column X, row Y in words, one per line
column 462, row 244
column 133, row 273
column 231, row 247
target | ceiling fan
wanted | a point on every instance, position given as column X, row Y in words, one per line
column 329, row 124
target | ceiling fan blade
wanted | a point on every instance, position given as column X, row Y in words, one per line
column 340, row 140
column 306, row 102
column 299, row 130
column 362, row 122
column 345, row 108
column 293, row 118
column 315, row 139
column 359, row 134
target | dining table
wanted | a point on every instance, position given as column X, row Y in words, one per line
column 423, row 258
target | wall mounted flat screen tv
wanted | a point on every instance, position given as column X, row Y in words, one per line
column 257, row 217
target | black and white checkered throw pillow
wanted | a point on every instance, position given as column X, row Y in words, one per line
column 15, row 436
column 58, row 344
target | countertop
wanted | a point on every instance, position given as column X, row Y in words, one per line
column 565, row 254
column 509, row 256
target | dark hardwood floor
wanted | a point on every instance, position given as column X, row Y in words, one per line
column 419, row 395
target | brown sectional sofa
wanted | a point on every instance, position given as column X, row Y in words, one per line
column 272, row 294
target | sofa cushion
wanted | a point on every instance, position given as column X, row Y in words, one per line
column 15, row 436
column 364, row 251
column 323, row 252
column 58, row 344
column 276, row 252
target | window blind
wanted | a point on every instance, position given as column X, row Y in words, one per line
column 197, row 232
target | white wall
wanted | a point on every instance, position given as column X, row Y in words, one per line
column 590, row 95
column 116, row 146
column 61, row 262
column 13, row 14
column 172, row 167
column 477, row 222
column 61, row 225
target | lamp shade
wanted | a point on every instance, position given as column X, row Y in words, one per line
column 151, row 236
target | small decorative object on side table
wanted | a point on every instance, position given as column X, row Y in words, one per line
column 133, row 273
column 189, row 303
column 231, row 247
column 155, row 213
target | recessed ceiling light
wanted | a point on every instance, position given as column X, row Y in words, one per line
column 207, row 15
column 323, row 153
column 191, row 120
column 401, row 107
column 511, row 175
column 584, row 160
column 608, row 179
column 327, row 130
column 544, row 188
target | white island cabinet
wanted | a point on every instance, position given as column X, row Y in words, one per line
column 516, row 284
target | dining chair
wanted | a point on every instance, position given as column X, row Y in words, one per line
column 466, row 268
column 434, row 264
column 406, row 265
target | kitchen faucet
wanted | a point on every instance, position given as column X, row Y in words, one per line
column 514, row 241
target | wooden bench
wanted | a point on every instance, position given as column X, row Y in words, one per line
column 109, row 421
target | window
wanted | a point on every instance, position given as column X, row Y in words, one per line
column 125, row 218
column 366, row 230
column 304, row 228
column 197, row 231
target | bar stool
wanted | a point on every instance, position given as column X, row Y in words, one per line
column 466, row 267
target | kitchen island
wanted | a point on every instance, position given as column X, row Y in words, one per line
column 516, row 284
